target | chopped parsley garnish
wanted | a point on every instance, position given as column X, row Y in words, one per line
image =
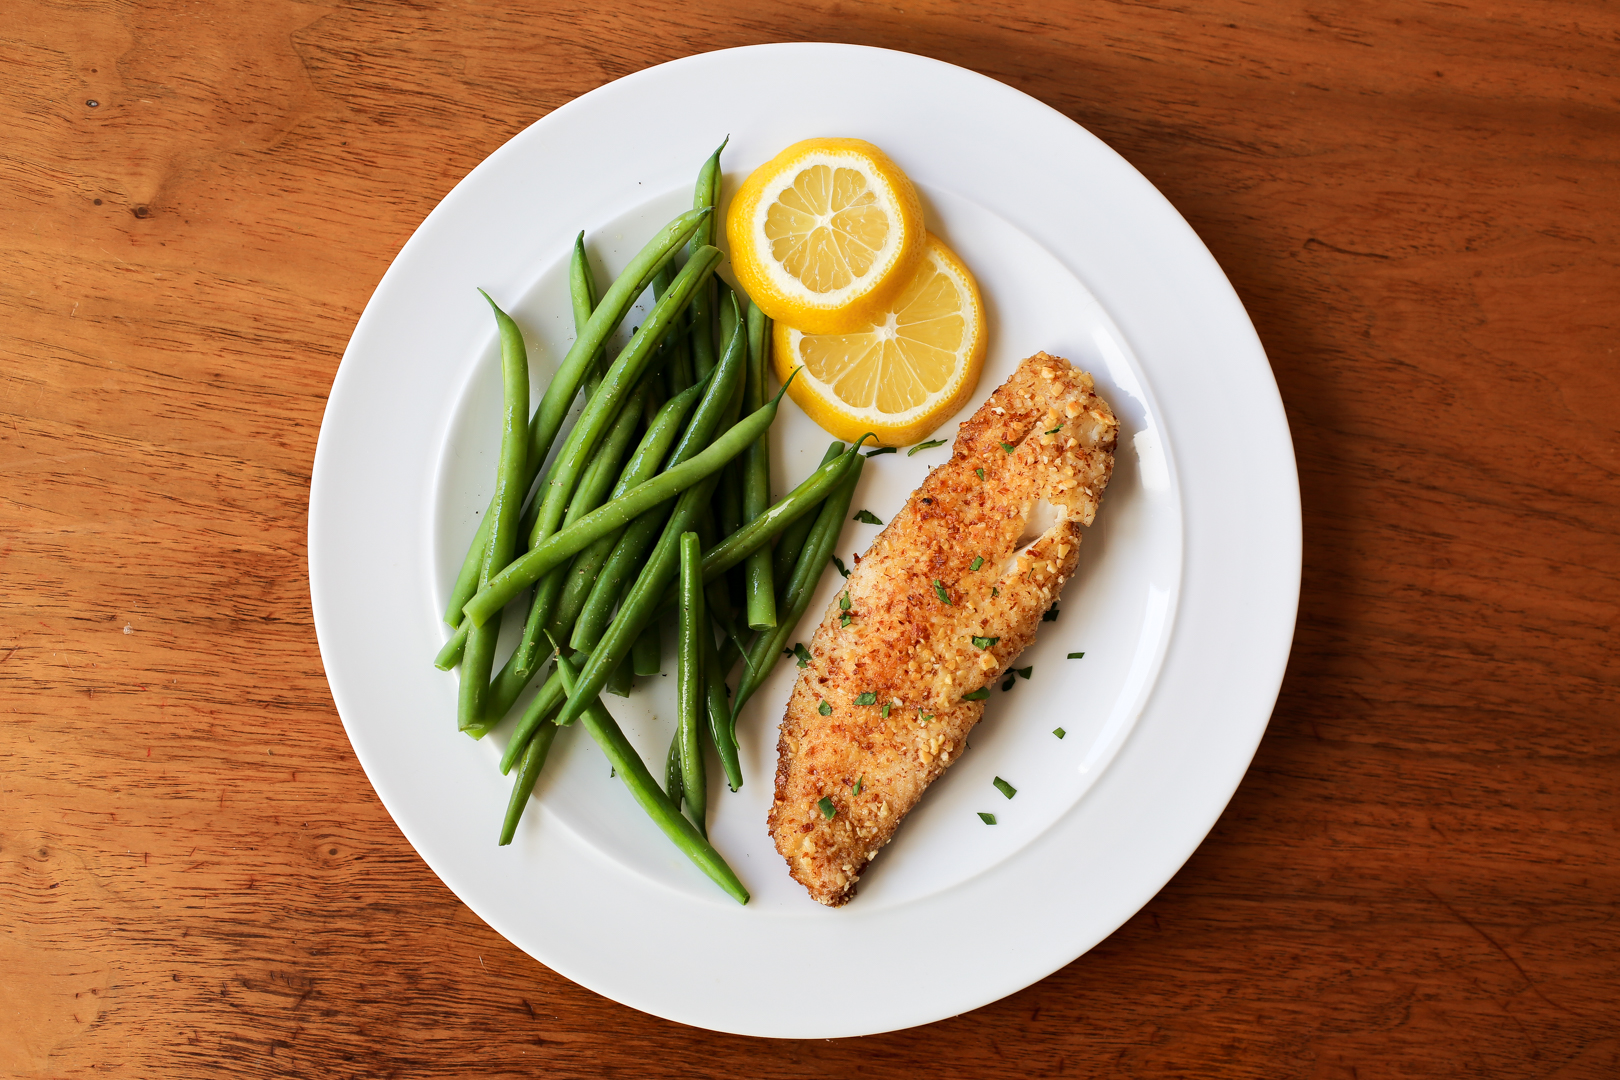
column 1076, row 655
column 929, row 445
column 1055, row 430
column 886, row 707
column 843, row 601
column 845, row 619
column 824, row 804
column 1051, row 614
column 858, row 783
column 880, row 450
column 1025, row 671
column 988, row 819
column 922, row 716
column 985, row 642
column 1004, row 787
column 978, row 561
column 867, row 698
column 994, row 591
column 978, row 695
column 802, row 653
column 1009, row 447
column 842, row 569
column 980, row 472
column 1007, row 684
column 824, row 709
column 1059, row 732
column 866, row 517
column 939, row 591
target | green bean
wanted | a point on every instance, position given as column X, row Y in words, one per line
column 617, row 513
column 582, row 297
column 593, row 490
column 678, row 342
column 559, row 396
column 630, row 769
column 689, row 680
column 539, row 711
column 619, row 682
column 728, row 504
column 767, row 648
column 646, row 655
column 793, row 506
column 717, row 704
column 642, row 466
column 672, row 770
column 689, row 674
column 626, row 371
column 711, row 418
column 639, row 605
column 791, row 542
column 756, row 478
column 706, row 194
column 479, row 655
column 534, row 759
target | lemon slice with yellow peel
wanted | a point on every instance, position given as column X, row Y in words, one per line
column 824, row 234
column 906, row 371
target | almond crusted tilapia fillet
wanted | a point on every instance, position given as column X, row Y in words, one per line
column 912, row 650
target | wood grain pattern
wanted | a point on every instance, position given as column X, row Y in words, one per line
column 1419, row 203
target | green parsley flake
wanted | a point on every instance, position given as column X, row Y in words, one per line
column 929, row 445
column 866, row 517
column 840, row 564
column 1008, row 684
column 845, row 619
column 985, row 642
column 1025, row 671
column 988, row 819
column 939, row 591
column 922, row 716
column 1004, row 787
column 858, row 784
column 824, row 709
column 1055, row 430
column 886, row 707
column 1051, row 614
column 995, row 591
column 980, row 472
column 1076, row 655
column 1059, row 732
column 802, row 653
column 1009, row 447
column 978, row 561
column 880, row 450
column 978, row 695
column 825, row 805
column 867, row 698
column 843, row 601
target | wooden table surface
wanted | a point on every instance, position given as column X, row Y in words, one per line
column 1418, row 202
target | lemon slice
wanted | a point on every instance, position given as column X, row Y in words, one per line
column 905, row 372
column 824, row 234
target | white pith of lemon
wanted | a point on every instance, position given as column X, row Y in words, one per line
column 903, row 373
column 823, row 235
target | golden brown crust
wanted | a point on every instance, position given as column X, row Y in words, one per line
column 916, row 653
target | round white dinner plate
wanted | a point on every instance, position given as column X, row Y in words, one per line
column 1183, row 604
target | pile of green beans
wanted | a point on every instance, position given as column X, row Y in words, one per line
column 656, row 499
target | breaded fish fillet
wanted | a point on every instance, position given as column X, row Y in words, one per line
column 880, row 706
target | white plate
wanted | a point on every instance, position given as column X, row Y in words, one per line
column 1184, row 603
